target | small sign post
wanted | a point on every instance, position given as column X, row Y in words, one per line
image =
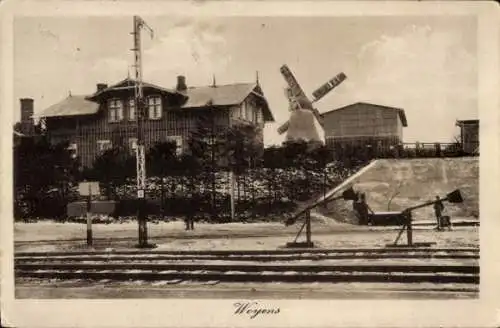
column 88, row 189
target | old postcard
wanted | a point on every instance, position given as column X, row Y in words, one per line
column 249, row 164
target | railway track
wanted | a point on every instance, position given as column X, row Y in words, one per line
column 390, row 265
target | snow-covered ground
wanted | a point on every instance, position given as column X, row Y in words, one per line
column 45, row 236
column 174, row 289
column 66, row 231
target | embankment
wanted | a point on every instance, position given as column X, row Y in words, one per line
column 396, row 184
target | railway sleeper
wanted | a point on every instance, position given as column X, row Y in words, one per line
column 330, row 277
column 264, row 258
column 470, row 269
column 256, row 252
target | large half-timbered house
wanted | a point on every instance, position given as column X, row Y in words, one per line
column 107, row 118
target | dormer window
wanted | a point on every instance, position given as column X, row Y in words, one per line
column 131, row 109
column 154, row 107
column 115, row 110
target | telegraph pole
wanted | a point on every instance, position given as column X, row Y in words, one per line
column 140, row 147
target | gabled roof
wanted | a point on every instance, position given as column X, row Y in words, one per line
column 221, row 95
column 129, row 84
column 224, row 95
column 400, row 111
column 72, row 105
column 194, row 97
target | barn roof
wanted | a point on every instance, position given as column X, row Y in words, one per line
column 400, row 111
column 220, row 95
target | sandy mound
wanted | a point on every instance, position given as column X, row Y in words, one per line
column 411, row 182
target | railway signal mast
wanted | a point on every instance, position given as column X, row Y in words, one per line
column 139, row 24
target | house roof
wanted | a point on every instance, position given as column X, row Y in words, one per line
column 71, row 106
column 128, row 84
column 400, row 111
column 224, row 95
column 221, row 95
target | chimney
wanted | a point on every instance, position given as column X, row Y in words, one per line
column 101, row 86
column 181, row 83
column 27, row 116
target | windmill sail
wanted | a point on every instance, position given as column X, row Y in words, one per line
column 299, row 101
column 328, row 86
column 296, row 91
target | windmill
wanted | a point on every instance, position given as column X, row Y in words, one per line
column 305, row 120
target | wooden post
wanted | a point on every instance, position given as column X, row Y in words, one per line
column 308, row 226
column 231, row 191
column 141, row 215
column 409, row 230
column 89, row 218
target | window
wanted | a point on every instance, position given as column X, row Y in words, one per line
column 103, row 145
column 243, row 111
column 235, row 112
column 73, row 149
column 249, row 116
column 115, row 110
column 132, row 144
column 178, row 142
column 154, row 107
column 258, row 116
column 131, row 109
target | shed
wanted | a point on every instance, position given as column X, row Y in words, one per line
column 469, row 136
column 364, row 122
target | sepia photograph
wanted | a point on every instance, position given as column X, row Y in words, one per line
column 246, row 157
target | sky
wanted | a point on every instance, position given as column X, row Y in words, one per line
column 425, row 65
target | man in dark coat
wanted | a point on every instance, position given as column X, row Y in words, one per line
column 438, row 211
column 362, row 209
column 190, row 211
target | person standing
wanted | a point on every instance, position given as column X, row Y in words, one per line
column 438, row 211
column 190, row 211
column 362, row 209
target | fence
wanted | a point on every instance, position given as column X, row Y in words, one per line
column 371, row 150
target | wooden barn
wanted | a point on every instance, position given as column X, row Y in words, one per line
column 107, row 118
column 469, row 136
column 365, row 125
